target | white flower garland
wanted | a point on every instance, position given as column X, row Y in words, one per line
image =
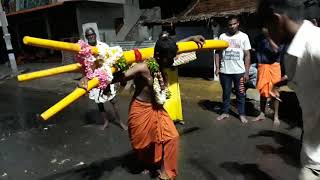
column 100, row 65
column 161, row 90
column 160, row 95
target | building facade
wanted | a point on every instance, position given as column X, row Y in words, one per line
column 117, row 20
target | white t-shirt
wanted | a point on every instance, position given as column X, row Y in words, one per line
column 306, row 83
column 232, row 61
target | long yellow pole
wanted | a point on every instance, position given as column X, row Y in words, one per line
column 52, row 44
column 78, row 92
column 49, row 72
column 128, row 55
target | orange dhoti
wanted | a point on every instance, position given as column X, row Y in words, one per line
column 153, row 135
column 268, row 75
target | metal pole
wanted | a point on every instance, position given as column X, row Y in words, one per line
column 7, row 39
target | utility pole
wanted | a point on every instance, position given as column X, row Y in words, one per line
column 7, row 39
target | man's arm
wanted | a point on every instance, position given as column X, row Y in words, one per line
column 200, row 40
column 247, row 60
column 131, row 73
column 247, row 64
column 283, row 82
column 217, row 62
column 291, row 66
column 273, row 45
column 274, row 48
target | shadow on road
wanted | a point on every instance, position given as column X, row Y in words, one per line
column 11, row 123
column 100, row 168
column 198, row 165
column 290, row 110
column 289, row 150
column 187, row 131
column 248, row 171
column 216, row 107
column 208, row 105
column 93, row 117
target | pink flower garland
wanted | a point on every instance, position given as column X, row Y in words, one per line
column 86, row 59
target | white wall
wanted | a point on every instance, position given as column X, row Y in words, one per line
column 103, row 14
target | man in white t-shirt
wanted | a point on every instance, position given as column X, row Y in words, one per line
column 232, row 65
column 283, row 19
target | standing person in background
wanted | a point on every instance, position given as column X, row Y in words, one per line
column 284, row 21
column 269, row 72
column 232, row 65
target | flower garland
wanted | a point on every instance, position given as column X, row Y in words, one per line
column 160, row 89
column 100, row 65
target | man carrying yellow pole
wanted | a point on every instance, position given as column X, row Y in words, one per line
column 129, row 57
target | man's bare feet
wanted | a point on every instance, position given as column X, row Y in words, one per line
column 243, row 119
column 276, row 122
column 222, row 116
column 163, row 176
column 105, row 125
column 145, row 172
column 123, row 126
column 260, row 117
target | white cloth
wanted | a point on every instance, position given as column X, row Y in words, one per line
column 305, row 46
column 232, row 61
column 307, row 174
column 184, row 58
column 98, row 96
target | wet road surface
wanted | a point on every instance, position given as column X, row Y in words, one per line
column 70, row 146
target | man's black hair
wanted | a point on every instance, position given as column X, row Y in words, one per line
column 294, row 9
column 166, row 47
column 231, row 17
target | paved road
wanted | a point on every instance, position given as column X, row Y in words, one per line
column 71, row 147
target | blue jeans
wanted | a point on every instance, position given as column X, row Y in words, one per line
column 226, row 83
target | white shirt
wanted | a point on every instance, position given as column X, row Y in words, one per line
column 306, row 83
column 232, row 61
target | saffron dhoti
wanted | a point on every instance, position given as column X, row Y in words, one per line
column 268, row 75
column 153, row 135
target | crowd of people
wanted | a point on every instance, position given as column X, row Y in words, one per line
column 245, row 66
